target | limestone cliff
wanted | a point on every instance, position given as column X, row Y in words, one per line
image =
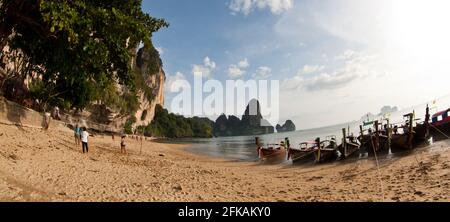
column 150, row 92
column 150, row 78
column 154, row 81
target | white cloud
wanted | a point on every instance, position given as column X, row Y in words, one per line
column 160, row 50
column 357, row 65
column 174, row 82
column 247, row 6
column 206, row 69
column 292, row 83
column 263, row 72
column 348, row 54
column 244, row 63
column 308, row 69
column 330, row 81
column 209, row 63
column 238, row 70
column 234, row 71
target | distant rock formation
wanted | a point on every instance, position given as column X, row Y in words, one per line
column 252, row 123
column 388, row 109
column 288, row 126
column 384, row 110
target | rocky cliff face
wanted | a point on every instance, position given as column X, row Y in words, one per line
column 150, row 92
column 150, row 87
column 155, row 81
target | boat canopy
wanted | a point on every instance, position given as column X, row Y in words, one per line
column 445, row 112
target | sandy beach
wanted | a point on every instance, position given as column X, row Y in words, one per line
column 37, row 165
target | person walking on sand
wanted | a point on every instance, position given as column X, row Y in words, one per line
column 122, row 145
column 84, row 140
column 77, row 134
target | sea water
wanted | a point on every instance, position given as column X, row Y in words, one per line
column 243, row 148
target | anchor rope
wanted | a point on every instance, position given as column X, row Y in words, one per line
column 378, row 168
column 448, row 137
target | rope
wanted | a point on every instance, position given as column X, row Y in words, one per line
column 448, row 137
column 378, row 168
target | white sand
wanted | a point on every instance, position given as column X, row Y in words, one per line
column 38, row 165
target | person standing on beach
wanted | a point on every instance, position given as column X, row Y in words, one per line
column 84, row 140
column 122, row 145
column 46, row 123
column 77, row 134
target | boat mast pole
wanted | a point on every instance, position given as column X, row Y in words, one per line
column 411, row 128
column 288, row 146
column 377, row 136
column 318, row 149
column 427, row 122
column 258, row 146
column 389, row 133
column 344, row 142
column 361, row 132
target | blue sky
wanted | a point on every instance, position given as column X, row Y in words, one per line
column 335, row 59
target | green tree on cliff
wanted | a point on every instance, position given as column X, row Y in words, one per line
column 78, row 47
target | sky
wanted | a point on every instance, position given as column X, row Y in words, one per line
column 335, row 59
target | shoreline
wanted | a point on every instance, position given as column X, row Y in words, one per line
column 41, row 165
column 184, row 147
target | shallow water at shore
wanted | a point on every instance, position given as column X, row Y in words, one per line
column 242, row 148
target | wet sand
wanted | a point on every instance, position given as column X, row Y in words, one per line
column 37, row 165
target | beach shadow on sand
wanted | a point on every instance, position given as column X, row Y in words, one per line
column 384, row 160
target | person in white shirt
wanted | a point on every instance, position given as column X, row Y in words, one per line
column 84, row 140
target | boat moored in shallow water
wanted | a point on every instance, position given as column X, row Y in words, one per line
column 305, row 152
column 403, row 141
column 326, row 150
column 440, row 125
column 271, row 151
column 349, row 146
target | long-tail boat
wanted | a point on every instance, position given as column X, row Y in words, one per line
column 326, row 150
column 375, row 140
column 403, row 141
column 422, row 130
column 349, row 146
column 271, row 151
column 304, row 152
column 440, row 125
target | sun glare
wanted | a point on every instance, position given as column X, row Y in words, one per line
column 419, row 30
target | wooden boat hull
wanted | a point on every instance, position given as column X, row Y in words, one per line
column 272, row 154
column 368, row 142
column 325, row 155
column 438, row 131
column 298, row 156
column 401, row 142
column 352, row 150
column 422, row 133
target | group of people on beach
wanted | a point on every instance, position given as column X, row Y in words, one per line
column 81, row 136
